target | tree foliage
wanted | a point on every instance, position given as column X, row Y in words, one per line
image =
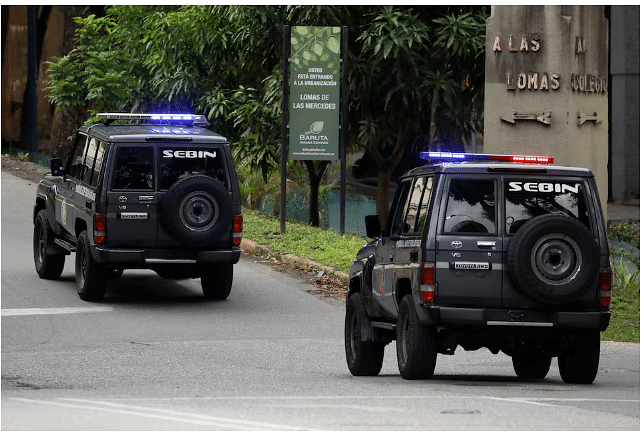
column 407, row 65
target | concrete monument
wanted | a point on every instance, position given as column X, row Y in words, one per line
column 546, row 85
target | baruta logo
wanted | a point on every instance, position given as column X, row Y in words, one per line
column 314, row 133
column 189, row 154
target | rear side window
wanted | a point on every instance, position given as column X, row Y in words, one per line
column 528, row 199
column 133, row 169
column 417, row 207
column 178, row 162
column 76, row 163
column 471, row 207
column 400, row 208
column 98, row 163
column 93, row 161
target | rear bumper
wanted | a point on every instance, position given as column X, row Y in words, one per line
column 514, row 318
column 155, row 257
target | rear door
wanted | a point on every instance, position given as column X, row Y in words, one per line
column 406, row 268
column 530, row 196
column 67, row 202
column 383, row 278
column 469, row 268
column 132, row 201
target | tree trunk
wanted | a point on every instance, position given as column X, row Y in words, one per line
column 63, row 126
column 27, row 111
column 382, row 194
column 315, row 170
column 386, row 166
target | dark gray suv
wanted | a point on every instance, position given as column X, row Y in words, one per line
column 143, row 191
column 503, row 252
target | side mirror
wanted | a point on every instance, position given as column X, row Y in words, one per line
column 57, row 167
column 372, row 224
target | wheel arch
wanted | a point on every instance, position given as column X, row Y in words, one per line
column 403, row 288
column 79, row 226
column 38, row 206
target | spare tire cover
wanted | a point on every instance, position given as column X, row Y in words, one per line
column 553, row 259
column 197, row 211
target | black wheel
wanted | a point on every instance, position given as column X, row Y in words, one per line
column 580, row 363
column 217, row 281
column 415, row 343
column 531, row 362
column 553, row 259
column 363, row 358
column 197, row 211
column 91, row 277
column 48, row 266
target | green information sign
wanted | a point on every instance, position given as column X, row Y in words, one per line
column 314, row 93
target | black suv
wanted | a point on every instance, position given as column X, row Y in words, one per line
column 143, row 191
column 503, row 252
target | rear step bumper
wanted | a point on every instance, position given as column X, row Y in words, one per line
column 515, row 318
column 163, row 256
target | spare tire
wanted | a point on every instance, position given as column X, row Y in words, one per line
column 196, row 210
column 553, row 259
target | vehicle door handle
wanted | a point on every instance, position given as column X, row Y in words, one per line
column 88, row 204
column 413, row 256
column 486, row 244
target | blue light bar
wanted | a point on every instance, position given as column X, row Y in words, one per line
column 464, row 157
column 188, row 119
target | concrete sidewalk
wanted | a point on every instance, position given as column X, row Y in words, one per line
column 624, row 213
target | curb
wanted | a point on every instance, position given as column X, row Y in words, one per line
column 252, row 247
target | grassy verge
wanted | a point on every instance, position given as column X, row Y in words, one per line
column 323, row 246
column 625, row 305
column 329, row 248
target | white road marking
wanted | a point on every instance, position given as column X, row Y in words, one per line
column 389, row 397
column 53, row 310
column 165, row 414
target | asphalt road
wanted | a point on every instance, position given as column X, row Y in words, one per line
column 155, row 355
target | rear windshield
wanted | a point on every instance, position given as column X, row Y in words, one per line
column 133, row 169
column 529, row 199
column 177, row 162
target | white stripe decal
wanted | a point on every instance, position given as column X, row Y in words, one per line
column 53, row 310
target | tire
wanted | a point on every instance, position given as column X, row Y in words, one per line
column 415, row 343
column 363, row 358
column 553, row 259
column 217, row 281
column 196, row 210
column 48, row 266
column 580, row 363
column 530, row 362
column 91, row 277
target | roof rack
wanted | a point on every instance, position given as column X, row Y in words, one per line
column 465, row 157
column 184, row 119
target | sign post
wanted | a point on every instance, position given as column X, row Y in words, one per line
column 311, row 98
column 314, row 103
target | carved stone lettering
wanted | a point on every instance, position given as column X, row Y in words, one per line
column 580, row 45
column 527, row 44
column 588, row 83
column 533, row 81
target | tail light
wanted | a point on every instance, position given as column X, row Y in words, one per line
column 605, row 287
column 238, row 226
column 99, row 228
column 427, row 281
